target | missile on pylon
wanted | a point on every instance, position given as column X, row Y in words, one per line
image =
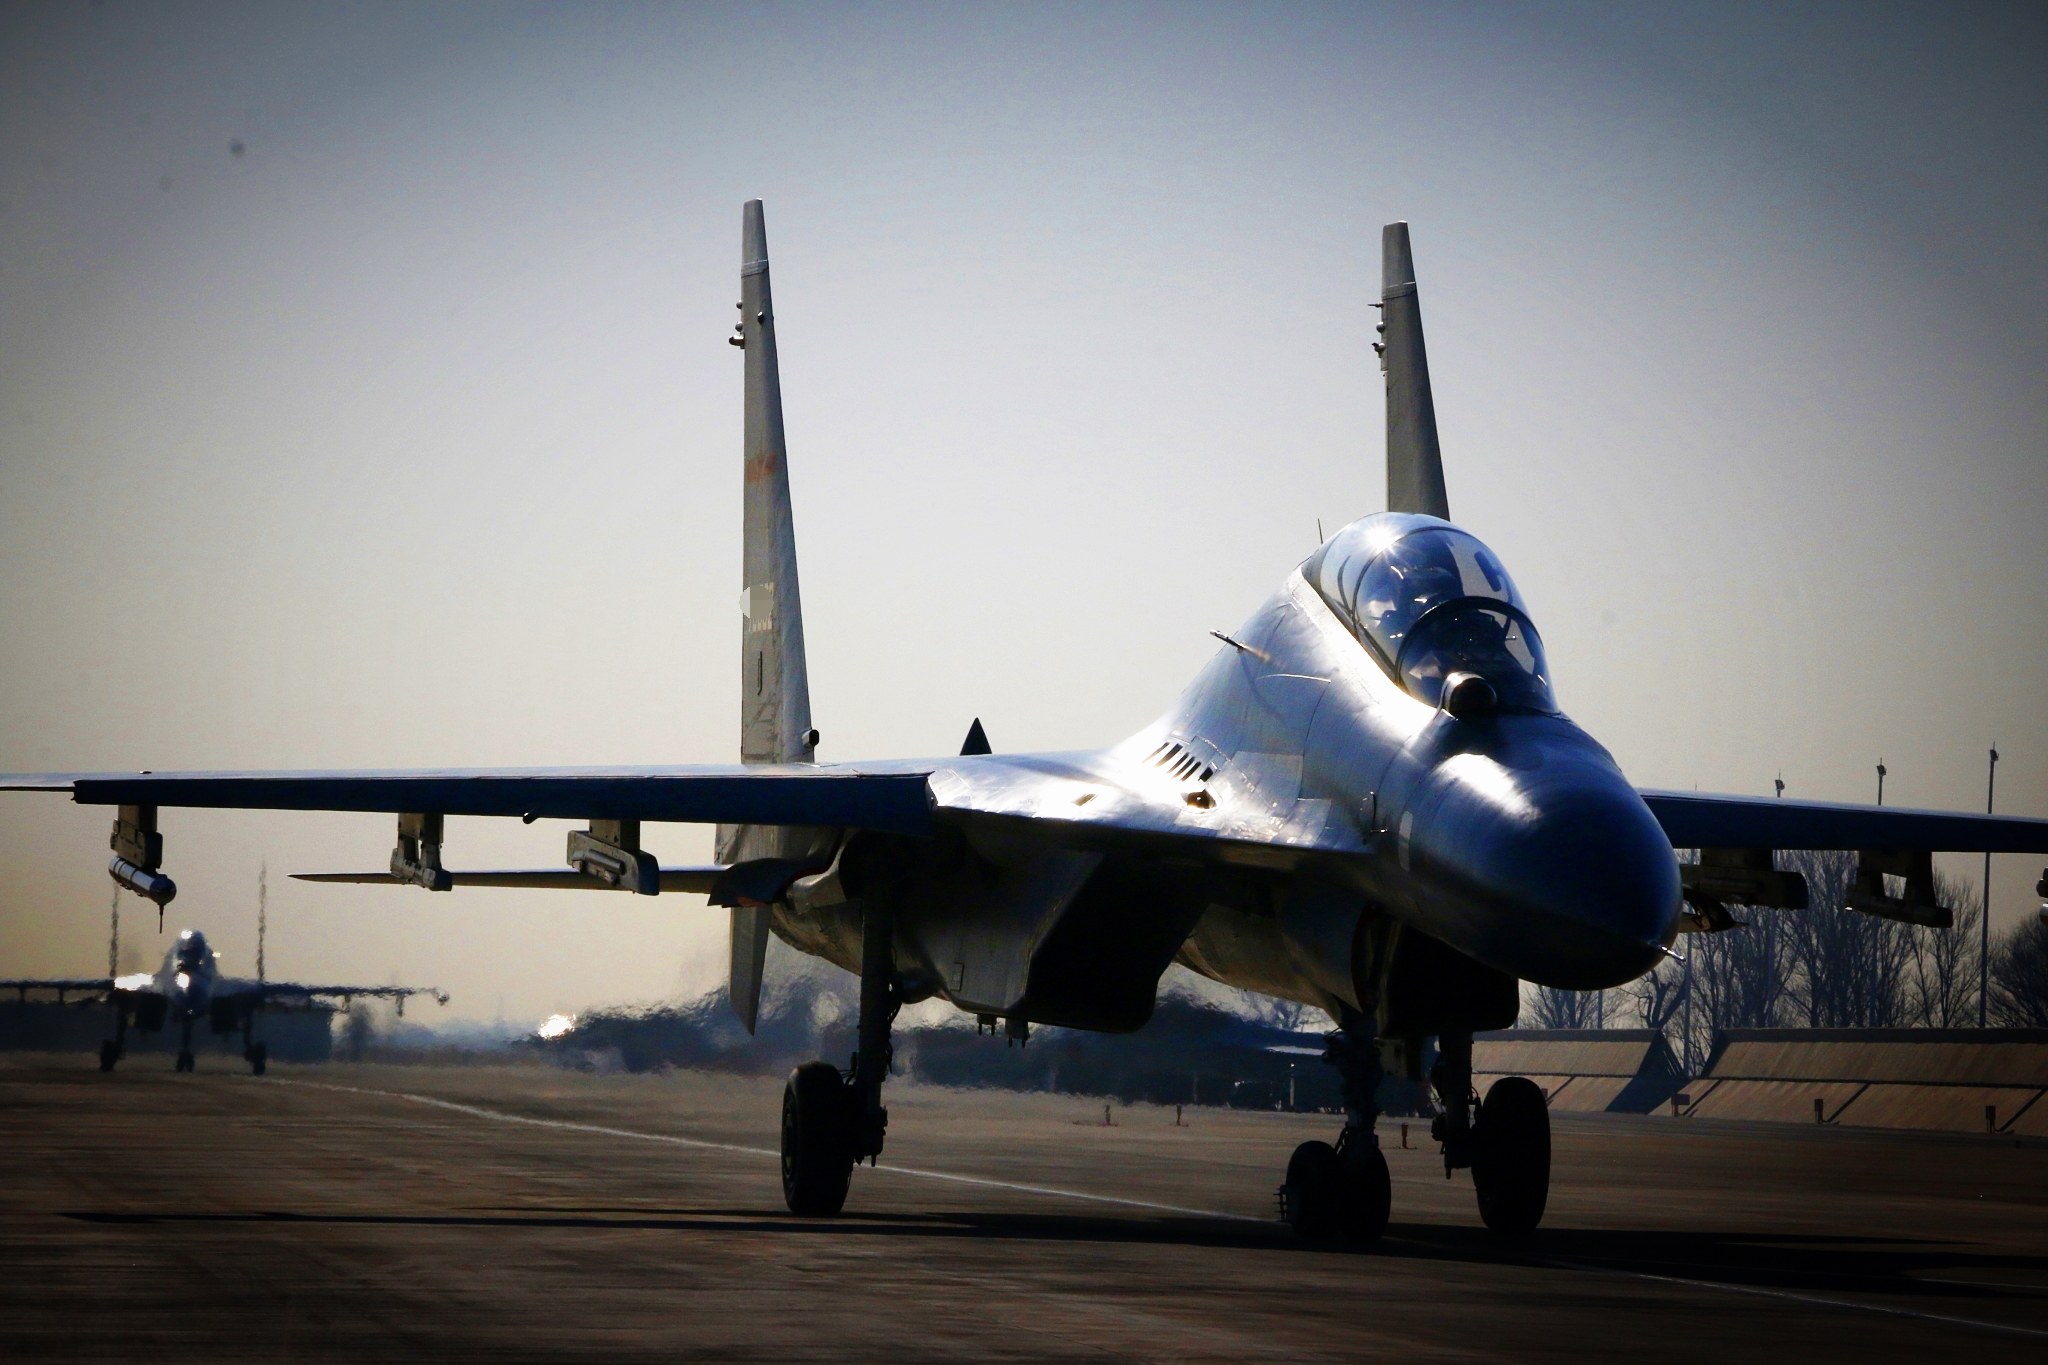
column 145, row 882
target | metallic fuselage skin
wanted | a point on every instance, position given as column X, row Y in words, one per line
column 1321, row 798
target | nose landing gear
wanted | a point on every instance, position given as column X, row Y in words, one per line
column 1344, row 1190
column 1511, row 1155
column 1506, row 1143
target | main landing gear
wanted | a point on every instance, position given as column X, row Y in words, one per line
column 1344, row 1190
column 185, row 1059
column 1506, row 1143
column 256, row 1054
column 830, row 1121
column 112, row 1050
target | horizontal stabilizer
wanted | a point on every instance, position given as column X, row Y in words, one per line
column 696, row 880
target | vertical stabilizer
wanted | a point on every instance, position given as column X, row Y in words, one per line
column 775, row 718
column 1415, row 464
column 775, row 693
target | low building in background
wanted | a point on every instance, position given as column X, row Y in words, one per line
column 1586, row 1071
column 1961, row 1080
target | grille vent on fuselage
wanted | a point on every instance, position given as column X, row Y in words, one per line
column 1182, row 762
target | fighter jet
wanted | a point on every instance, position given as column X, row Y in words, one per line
column 1367, row 801
column 190, row 987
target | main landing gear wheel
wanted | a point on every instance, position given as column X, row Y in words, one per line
column 1337, row 1194
column 1511, row 1155
column 257, row 1055
column 109, row 1054
column 817, row 1140
column 185, row 1062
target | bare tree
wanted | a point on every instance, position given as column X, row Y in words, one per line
column 1740, row 976
column 1824, row 967
column 1555, row 1007
column 1848, row 969
column 1658, row 995
column 2019, row 976
column 1942, row 989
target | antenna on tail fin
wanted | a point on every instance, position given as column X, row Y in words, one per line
column 775, row 690
column 1415, row 463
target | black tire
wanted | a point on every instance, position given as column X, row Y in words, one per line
column 1311, row 1199
column 109, row 1054
column 1367, row 1193
column 258, row 1055
column 817, row 1140
column 1511, row 1155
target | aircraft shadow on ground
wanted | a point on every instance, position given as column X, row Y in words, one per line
column 1808, row 1262
column 1796, row 1262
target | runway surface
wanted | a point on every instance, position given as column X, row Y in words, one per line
column 378, row 1213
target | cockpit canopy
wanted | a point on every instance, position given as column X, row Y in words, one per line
column 1428, row 600
column 191, row 950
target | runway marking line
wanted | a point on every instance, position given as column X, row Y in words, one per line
column 700, row 1143
column 602, row 1130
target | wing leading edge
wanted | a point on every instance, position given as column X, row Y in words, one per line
column 781, row 794
column 1712, row 820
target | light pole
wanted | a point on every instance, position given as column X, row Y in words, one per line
column 1984, row 924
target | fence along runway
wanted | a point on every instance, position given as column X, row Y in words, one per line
column 525, row 1212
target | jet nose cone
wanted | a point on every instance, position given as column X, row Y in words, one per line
column 1554, row 867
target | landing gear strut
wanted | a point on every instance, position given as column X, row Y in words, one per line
column 185, row 1059
column 830, row 1121
column 1506, row 1144
column 1344, row 1190
column 111, row 1051
column 256, row 1054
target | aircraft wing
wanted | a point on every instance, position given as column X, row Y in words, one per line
column 893, row 799
column 1710, row 820
column 103, row 983
column 697, row 879
column 292, row 990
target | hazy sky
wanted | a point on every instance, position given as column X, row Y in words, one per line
column 409, row 435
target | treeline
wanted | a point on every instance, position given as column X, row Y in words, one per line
column 1824, row 967
column 1242, row 1050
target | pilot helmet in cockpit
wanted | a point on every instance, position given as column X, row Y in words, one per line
column 1428, row 600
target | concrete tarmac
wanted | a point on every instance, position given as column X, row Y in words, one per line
column 378, row 1213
